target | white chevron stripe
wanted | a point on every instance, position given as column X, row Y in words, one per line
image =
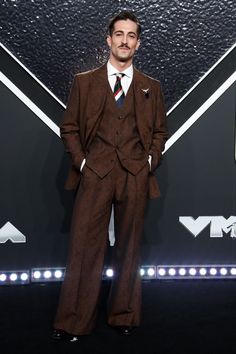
column 32, row 106
column 32, row 75
column 200, row 111
column 202, row 78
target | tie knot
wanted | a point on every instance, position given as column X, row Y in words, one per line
column 120, row 75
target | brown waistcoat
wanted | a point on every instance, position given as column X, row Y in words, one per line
column 117, row 136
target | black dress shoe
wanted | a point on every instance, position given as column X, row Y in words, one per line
column 124, row 330
column 60, row 335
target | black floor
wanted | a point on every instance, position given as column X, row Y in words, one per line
column 178, row 317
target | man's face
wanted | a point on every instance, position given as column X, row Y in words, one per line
column 124, row 40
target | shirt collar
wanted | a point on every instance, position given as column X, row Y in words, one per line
column 111, row 70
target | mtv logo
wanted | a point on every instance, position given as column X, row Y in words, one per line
column 218, row 225
column 10, row 232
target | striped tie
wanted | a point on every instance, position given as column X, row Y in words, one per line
column 118, row 90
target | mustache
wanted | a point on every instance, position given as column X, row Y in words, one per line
column 124, row 46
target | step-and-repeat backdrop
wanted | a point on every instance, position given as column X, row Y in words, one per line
column 194, row 220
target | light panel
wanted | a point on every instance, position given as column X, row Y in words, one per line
column 196, row 272
column 146, row 272
column 14, row 277
column 41, row 275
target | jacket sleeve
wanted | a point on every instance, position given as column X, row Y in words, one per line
column 160, row 133
column 69, row 128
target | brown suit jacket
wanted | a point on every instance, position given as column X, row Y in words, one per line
column 84, row 111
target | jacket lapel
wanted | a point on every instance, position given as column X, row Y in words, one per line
column 143, row 106
column 97, row 93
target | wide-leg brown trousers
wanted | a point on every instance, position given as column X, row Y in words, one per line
column 80, row 290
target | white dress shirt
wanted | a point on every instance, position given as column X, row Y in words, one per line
column 125, row 80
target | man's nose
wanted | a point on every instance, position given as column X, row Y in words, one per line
column 124, row 40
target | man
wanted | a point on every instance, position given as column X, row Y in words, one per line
column 114, row 129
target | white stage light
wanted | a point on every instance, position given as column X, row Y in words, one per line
column 37, row 274
column 13, row 277
column 58, row 274
column 3, row 277
column 142, row 272
column 202, row 271
column 24, row 276
column 192, row 271
column 162, row 272
column 47, row 274
column 213, row 271
column 109, row 273
column 172, row 271
column 233, row 271
column 151, row 272
column 182, row 271
column 223, row 271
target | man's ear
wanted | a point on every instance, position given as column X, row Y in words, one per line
column 108, row 40
column 138, row 44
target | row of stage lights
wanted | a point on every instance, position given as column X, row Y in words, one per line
column 165, row 272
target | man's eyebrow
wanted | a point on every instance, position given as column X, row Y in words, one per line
column 131, row 32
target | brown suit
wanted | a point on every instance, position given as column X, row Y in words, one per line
column 84, row 109
column 126, row 185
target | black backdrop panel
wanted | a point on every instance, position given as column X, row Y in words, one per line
column 32, row 196
column 198, row 178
